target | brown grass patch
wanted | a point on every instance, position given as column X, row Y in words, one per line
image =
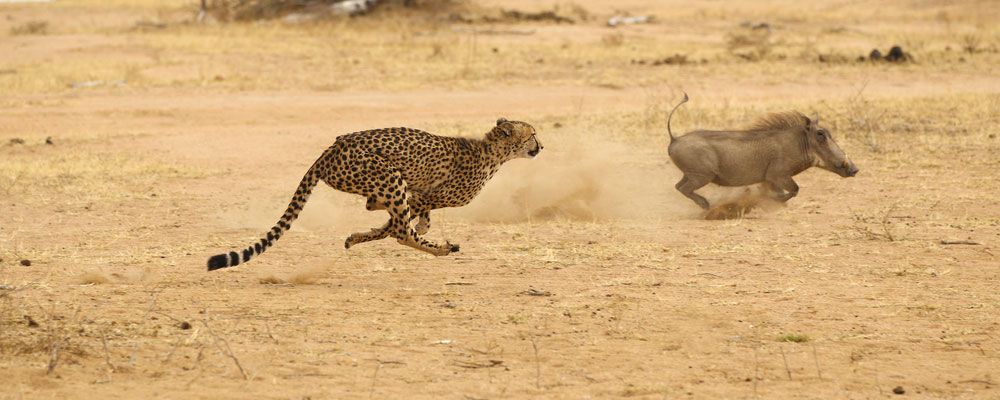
column 31, row 28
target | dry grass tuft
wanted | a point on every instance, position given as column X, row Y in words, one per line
column 31, row 28
column 750, row 44
column 793, row 338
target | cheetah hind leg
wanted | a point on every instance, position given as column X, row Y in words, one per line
column 400, row 228
column 374, row 234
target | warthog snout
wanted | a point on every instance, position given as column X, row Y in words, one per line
column 851, row 169
column 847, row 169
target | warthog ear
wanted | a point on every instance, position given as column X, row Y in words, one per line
column 816, row 118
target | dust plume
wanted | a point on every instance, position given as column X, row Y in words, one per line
column 580, row 178
column 307, row 276
column 750, row 199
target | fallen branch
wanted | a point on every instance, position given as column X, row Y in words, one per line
column 968, row 242
column 477, row 365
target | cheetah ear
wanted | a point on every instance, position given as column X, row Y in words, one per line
column 501, row 121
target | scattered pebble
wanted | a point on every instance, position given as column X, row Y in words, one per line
column 16, row 140
column 184, row 325
column 49, row 141
column 26, row 262
column 626, row 20
column 31, row 321
column 899, row 390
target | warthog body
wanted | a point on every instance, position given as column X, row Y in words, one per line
column 771, row 151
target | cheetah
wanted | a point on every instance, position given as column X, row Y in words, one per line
column 408, row 173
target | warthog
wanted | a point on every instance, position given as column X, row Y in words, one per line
column 771, row 151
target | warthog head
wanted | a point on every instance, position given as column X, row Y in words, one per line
column 825, row 151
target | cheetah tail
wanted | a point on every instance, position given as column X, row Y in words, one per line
column 684, row 100
column 234, row 258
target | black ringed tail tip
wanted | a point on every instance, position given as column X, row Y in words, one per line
column 217, row 262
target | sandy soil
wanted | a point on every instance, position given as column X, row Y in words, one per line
column 582, row 274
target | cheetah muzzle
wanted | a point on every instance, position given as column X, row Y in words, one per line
column 406, row 172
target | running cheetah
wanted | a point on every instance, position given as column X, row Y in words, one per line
column 407, row 172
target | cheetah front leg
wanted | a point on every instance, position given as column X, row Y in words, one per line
column 400, row 213
column 424, row 223
column 373, row 204
column 420, row 209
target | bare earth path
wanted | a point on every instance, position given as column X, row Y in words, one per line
column 583, row 274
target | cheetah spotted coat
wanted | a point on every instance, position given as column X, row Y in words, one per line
column 407, row 172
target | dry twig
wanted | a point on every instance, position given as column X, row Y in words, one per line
column 225, row 349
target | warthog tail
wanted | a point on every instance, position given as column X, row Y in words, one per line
column 669, row 132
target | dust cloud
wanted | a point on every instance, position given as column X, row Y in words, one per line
column 583, row 179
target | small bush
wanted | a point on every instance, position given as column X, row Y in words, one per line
column 793, row 337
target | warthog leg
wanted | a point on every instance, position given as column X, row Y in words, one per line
column 782, row 189
column 690, row 183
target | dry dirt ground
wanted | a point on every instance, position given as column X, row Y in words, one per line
column 583, row 273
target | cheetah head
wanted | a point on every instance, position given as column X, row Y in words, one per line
column 515, row 139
